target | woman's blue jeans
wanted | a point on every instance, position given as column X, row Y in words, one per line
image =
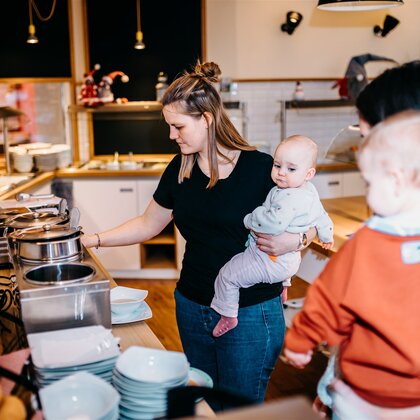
column 242, row 359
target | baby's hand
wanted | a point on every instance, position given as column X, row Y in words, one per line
column 284, row 295
column 327, row 245
column 298, row 360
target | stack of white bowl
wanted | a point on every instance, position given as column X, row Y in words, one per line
column 56, row 157
column 21, row 159
column 143, row 376
column 44, row 156
column 23, row 155
column 63, row 155
column 80, row 396
column 57, row 354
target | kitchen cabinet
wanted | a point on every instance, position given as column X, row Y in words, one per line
column 107, row 202
column 104, row 204
column 339, row 184
column 161, row 251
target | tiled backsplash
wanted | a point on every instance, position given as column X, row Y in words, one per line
column 262, row 101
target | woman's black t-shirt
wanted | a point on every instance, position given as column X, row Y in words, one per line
column 211, row 221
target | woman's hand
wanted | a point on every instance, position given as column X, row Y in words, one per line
column 134, row 231
column 283, row 243
column 89, row 241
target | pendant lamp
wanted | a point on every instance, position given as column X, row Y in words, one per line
column 355, row 5
column 139, row 45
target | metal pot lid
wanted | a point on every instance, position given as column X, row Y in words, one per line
column 45, row 233
column 36, row 219
column 8, row 213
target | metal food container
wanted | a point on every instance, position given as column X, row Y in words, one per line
column 80, row 298
column 46, row 244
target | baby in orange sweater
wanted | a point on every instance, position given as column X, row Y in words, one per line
column 366, row 300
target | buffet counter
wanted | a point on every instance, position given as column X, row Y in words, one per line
column 133, row 334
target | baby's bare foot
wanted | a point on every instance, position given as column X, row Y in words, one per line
column 224, row 325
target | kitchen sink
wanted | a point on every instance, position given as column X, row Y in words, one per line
column 124, row 165
column 7, row 182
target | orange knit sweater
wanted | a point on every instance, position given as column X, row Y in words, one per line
column 368, row 301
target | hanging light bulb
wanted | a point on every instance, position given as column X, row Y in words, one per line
column 139, row 45
column 32, row 38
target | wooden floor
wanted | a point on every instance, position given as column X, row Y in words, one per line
column 285, row 380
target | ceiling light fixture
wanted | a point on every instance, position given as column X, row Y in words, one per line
column 139, row 45
column 293, row 20
column 32, row 38
column 355, row 5
column 389, row 24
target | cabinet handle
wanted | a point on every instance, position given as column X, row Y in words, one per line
column 123, row 190
column 334, row 183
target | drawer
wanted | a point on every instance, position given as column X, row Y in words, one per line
column 329, row 185
column 353, row 184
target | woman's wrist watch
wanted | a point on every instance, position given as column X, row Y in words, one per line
column 303, row 241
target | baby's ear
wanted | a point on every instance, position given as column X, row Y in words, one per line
column 310, row 174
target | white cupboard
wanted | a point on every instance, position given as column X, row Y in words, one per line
column 339, row 184
column 107, row 202
column 103, row 204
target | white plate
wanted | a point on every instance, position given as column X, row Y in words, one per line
column 153, row 366
column 199, row 378
column 71, row 347
column 144, row 312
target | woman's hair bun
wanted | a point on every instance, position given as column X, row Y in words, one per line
column 209, row 71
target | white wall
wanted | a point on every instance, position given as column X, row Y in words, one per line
column 244, row 38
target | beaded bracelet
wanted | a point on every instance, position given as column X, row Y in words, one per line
column 99, row 240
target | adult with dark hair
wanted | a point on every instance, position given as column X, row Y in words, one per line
column 207, row 190
column 395, row 90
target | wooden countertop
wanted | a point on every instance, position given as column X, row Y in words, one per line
column 348, row 215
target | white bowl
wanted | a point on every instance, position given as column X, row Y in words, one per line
column 125, row 300
column 112, row 165
column 128, row 164
column 81, row 395
column 152, row 365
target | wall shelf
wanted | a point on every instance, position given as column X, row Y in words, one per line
column 133, row 106
column 308, row 104
column 318, row 103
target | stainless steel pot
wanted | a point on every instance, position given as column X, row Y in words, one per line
column 46, row 244
column 6, row 214
column 60, row 274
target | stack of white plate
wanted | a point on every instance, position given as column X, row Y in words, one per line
column 56, row 157
column 80, row 396
column 143, row 376
column 57, row 354
column 23, row 155
column 63, row 155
